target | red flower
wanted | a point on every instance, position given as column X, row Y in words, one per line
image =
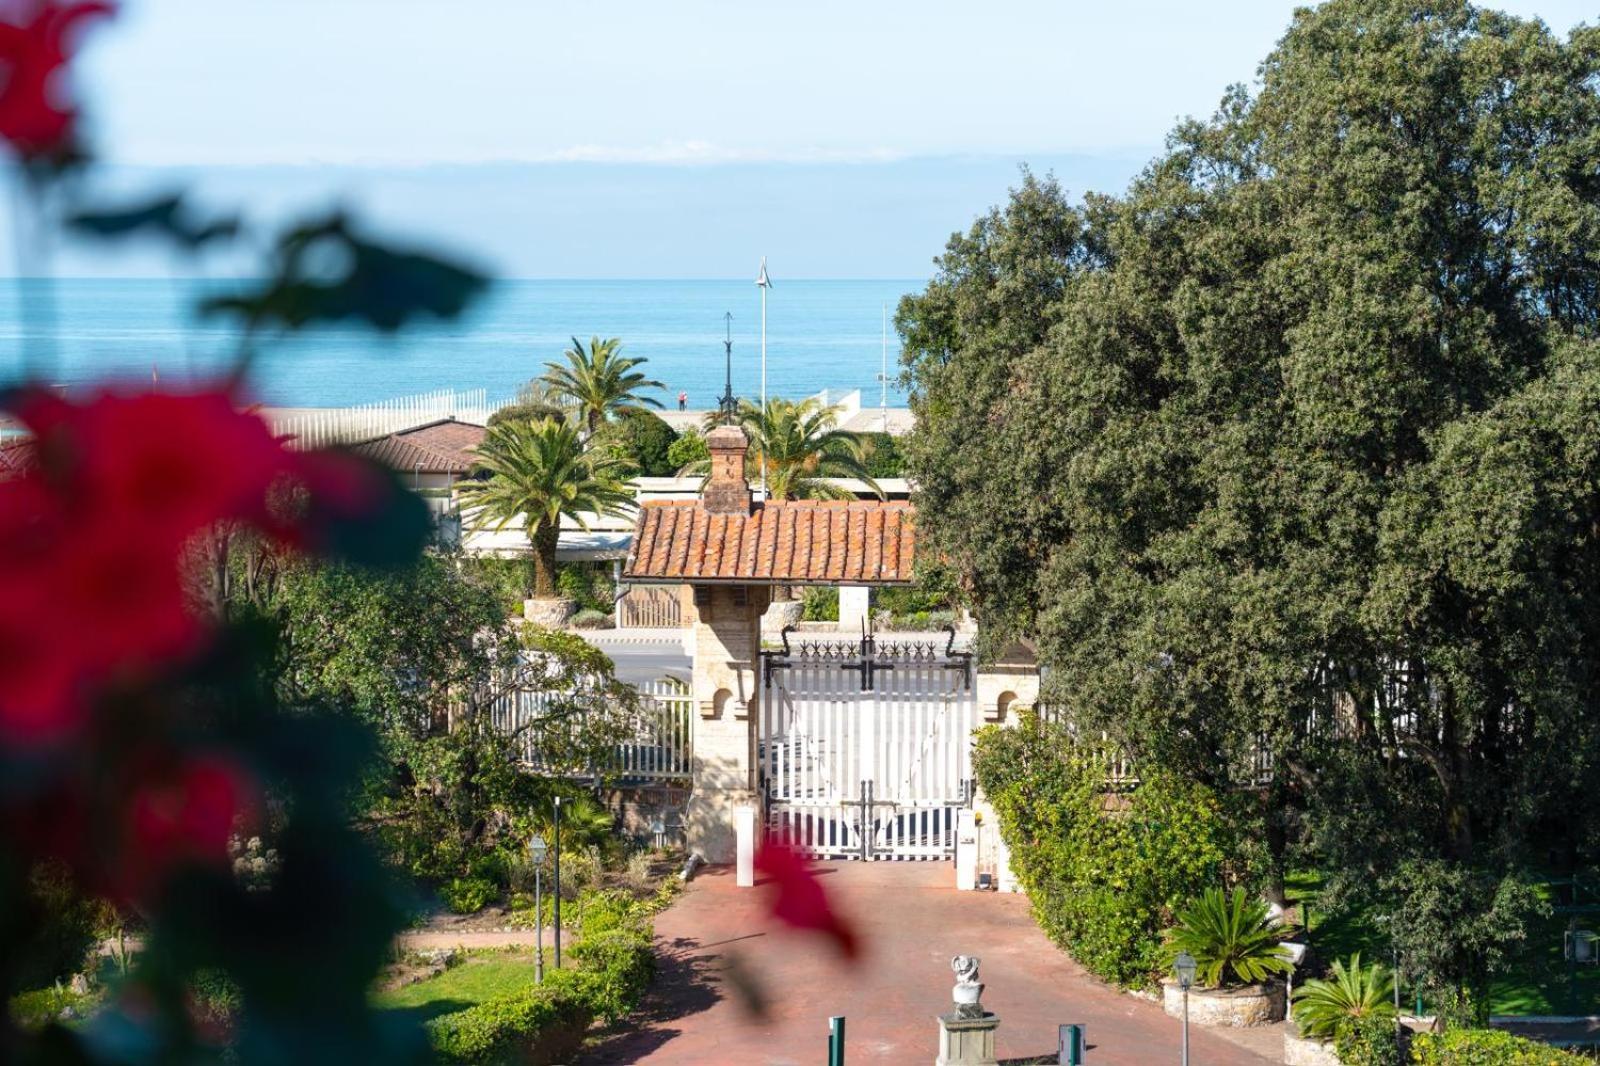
column 35, row 44
column 177, row 461
column 800, row 900
column 184, row 816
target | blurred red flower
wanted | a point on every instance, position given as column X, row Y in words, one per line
column 800, row 901
column 93, row 530
column 184, row 815
column 35, row 44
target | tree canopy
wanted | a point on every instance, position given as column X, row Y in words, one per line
column 1293, row 448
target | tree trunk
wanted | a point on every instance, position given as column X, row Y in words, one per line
column 544, row 561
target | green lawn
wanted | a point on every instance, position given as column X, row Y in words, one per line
column 480, row 977
column 1539, row 987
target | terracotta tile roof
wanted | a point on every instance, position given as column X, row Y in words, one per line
column 443, row 447
column 792, row 542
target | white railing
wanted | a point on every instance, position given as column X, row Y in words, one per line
column 650, row 607
column 319, row 428
column 660, row 745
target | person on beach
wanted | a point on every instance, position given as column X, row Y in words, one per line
column 683, row 400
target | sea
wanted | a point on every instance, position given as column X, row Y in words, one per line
column 821, row 334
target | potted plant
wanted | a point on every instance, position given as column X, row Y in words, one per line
column 1354, row 1003
column 1239, row 955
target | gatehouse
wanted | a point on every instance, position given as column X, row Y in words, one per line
column 856, row 749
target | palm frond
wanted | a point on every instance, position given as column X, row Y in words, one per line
column 1231, row 938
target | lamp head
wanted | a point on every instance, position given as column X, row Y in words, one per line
column 537, row 848
column 1185, row 966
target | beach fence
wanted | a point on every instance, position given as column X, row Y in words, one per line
column 319, row 427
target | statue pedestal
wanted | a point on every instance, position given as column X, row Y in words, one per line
column 967, row 1041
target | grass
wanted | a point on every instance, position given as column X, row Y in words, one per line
column 1540, row 985
column 482, row 976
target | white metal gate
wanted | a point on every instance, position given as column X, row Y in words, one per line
column 866, row 747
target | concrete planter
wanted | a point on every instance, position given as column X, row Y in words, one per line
column 551, row 613
column 1235, row 1008
column 1303, row 1051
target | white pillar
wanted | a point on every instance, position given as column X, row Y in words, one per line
column 744, row 822
column 966, row 851
column 854, row 605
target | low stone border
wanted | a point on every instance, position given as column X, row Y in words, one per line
column 1237, row 1008
column 1304, row 1051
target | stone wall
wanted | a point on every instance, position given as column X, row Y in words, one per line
column 1236, row 1008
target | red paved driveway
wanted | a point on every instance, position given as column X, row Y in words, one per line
column 911, row 922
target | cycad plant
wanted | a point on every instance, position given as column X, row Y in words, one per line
column 1323, row 1006
column 541, row 470
column 1231, row 938
column 600, row 381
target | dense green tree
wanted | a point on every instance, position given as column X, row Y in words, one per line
column 540, row 473
column 688, row 449
column 599, row 381
column 396, row 646
column 1293, row 448
column 642, row 438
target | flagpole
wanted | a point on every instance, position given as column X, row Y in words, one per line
column 763, row 283
column 883, row 377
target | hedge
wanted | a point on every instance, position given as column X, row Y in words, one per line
column 537, row 1025
column 547, row 1023
column 1103, row 875
column 1487, row 1047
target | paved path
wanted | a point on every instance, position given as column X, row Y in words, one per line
column 911, row 922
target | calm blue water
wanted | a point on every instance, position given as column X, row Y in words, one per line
column 820, row 334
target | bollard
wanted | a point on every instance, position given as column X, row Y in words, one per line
column 836, row 1040
column 1071, row 1042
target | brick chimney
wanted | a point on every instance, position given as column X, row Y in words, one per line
column 726, row 490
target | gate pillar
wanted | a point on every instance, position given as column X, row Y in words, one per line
column 727, row 693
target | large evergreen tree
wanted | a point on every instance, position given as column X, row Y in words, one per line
column 1295, row 446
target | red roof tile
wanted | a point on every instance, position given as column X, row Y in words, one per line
column 443, row 447
column 789, row 542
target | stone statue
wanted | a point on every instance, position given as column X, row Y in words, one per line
column 968, row 988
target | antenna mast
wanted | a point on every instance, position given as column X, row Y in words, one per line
column 728, row 405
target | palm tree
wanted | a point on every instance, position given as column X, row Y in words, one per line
column 540, row 469
column 599, row 381
column 801, row 446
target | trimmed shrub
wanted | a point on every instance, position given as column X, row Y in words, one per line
column 536, row 1025
column 616, row 967
column 1368, row 1040
column 1487, row 1047
column 591, row 619
column 1103, row 883
column 468, row 895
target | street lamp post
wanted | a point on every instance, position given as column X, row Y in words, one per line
column 558, row 882
column 537, row 850
column 1184, row 966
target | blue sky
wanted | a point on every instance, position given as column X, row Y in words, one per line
column 661, row 139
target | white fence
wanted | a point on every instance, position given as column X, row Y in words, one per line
column 660, row 747
column 650, row 607
column 320, row 427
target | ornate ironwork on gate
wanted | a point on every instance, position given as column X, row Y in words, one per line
column 865, row 746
